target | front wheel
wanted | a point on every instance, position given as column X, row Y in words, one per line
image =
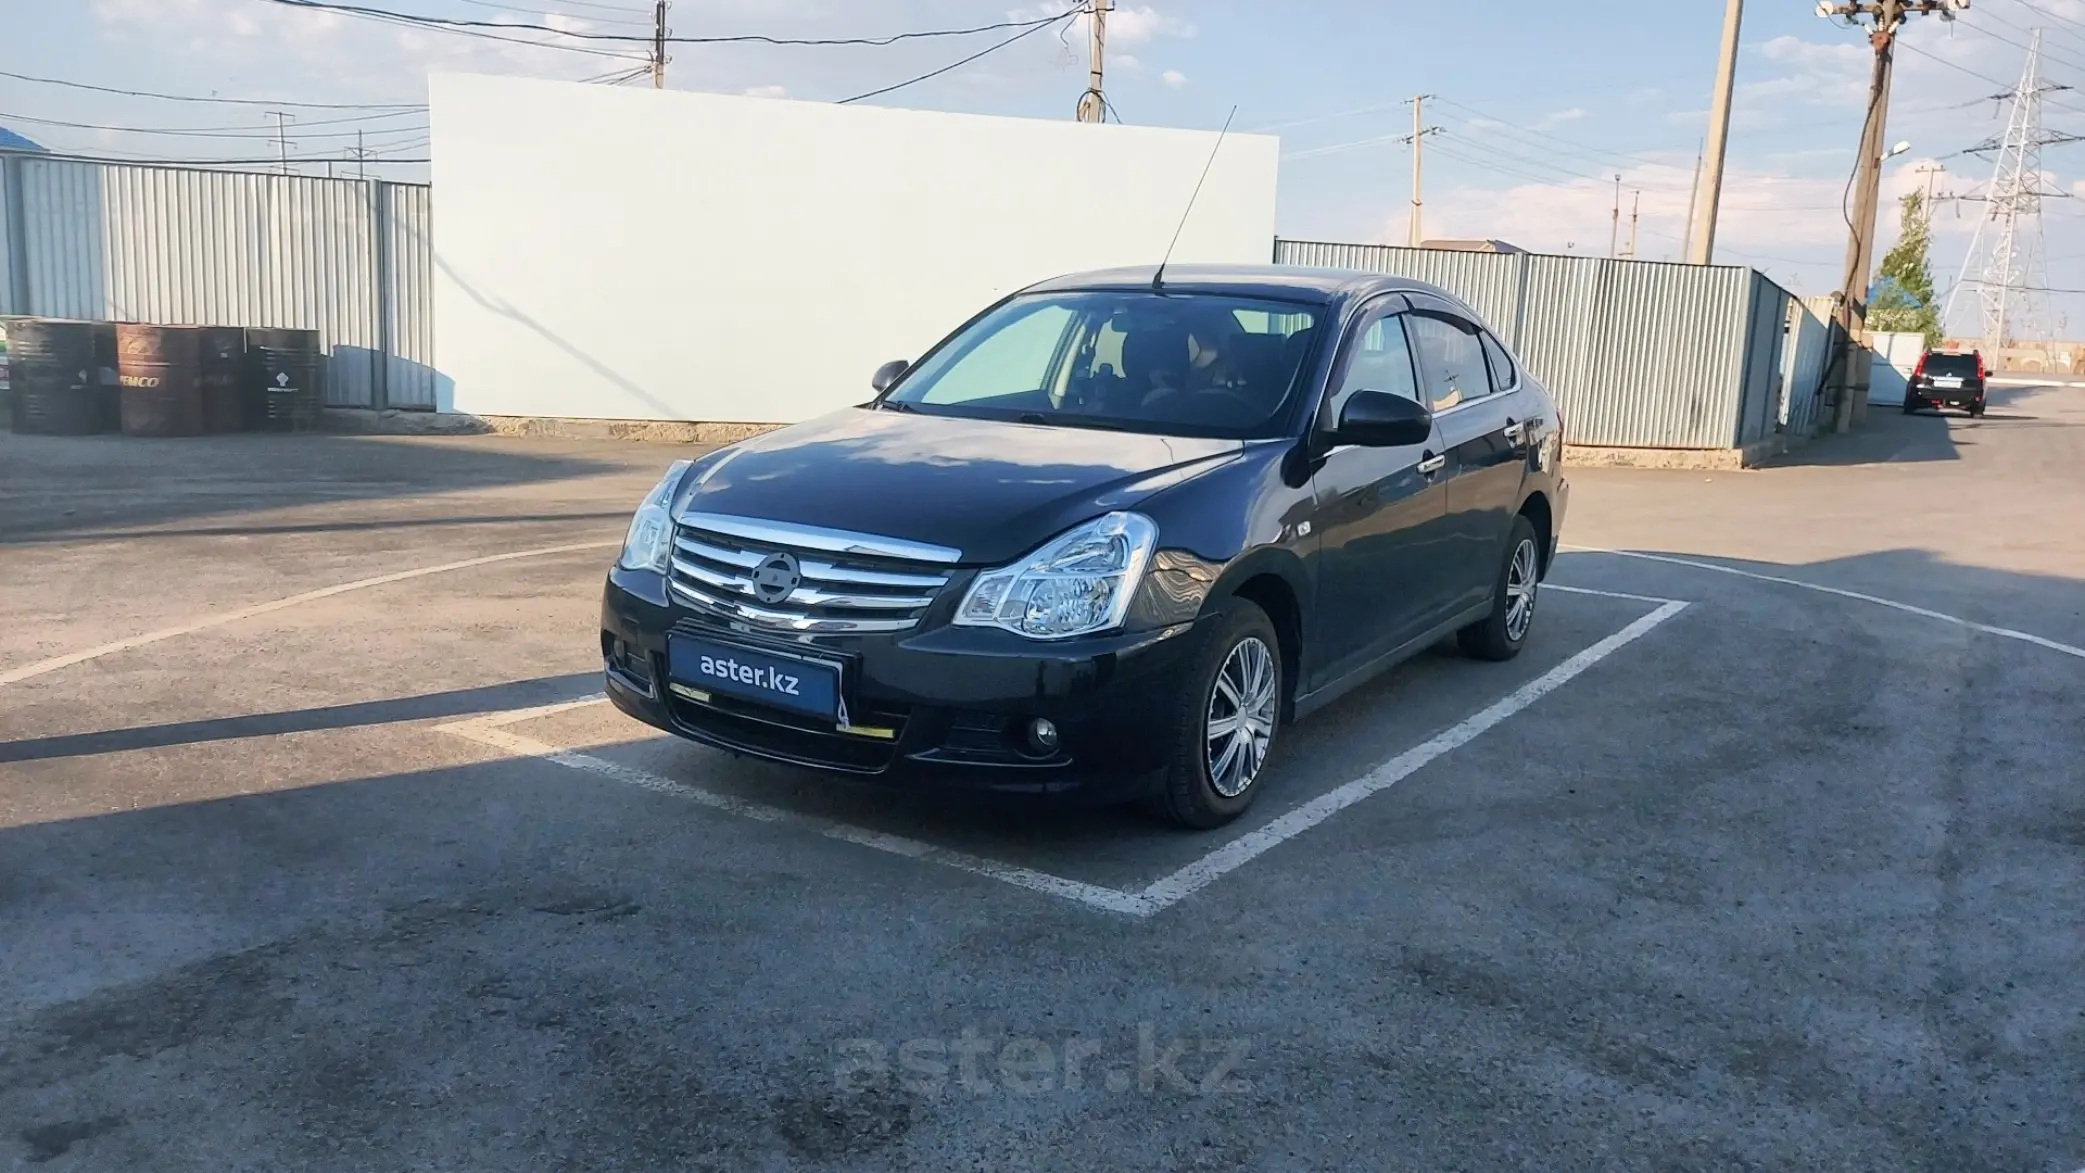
column 1224, row 722
column 1500, row 635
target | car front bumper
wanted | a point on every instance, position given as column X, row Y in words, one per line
column 936, row 705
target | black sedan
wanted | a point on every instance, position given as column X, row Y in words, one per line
column 1109, row 536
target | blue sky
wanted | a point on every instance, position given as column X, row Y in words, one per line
column 1541, row 104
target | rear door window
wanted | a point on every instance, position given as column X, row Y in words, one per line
column 1952, row 365
column 1451, row 359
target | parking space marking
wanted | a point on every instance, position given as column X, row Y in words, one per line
column 1572, row 590
column 1207, row 870
column 487, row 731
column 38, row 668
column 1155, row 897
column 1924, row 612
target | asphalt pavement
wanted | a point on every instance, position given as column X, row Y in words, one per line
column 316, row 853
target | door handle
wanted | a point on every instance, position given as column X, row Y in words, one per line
column 1432, row 464
column 1516, row 432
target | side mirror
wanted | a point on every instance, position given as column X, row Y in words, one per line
column 1378, row 419
column 888, row 373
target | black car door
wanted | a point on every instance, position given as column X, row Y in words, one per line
column 1481, row 423
column 1379, row 512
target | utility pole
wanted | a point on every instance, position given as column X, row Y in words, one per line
column 1415, row 234
column 1929, row 170
column 1093, row 104
column 361, row 157
column 1614, row 221
column 1635, row 212
column 1701, row 249
column 659, row 31
column 1693, row 202
column 282, row 142
column 1883, row 20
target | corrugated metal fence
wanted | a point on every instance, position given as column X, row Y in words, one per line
column 1638, row 353
column 349, row 258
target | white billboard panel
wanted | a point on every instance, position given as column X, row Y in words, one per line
column 630, row 254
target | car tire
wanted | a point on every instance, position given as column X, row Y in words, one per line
column 1501, row 634
column 1238, row 670
column 1910, row 408
column 1976, row 410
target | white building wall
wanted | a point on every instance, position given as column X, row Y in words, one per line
column 630, row 254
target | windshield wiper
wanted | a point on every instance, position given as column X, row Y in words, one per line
column 1070, row 421
column 895, row 405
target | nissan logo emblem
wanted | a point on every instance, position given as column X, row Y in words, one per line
column 775, row 577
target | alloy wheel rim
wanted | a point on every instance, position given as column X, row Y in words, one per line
column 1242, row 705
column 1521, row 586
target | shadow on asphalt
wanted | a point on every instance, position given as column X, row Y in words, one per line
column 1891, row 437
column 455, row 703
column 54, row 487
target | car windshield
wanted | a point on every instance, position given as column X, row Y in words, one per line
column 1951, row 364
column 1172, row 364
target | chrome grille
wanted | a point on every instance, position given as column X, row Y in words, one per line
column 845, row 581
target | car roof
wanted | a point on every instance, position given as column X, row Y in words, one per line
column 1279, row 282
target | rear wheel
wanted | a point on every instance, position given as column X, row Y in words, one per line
column 1976, row 410
column 1224, row 722
column 1500, row 635
column 1910, row 406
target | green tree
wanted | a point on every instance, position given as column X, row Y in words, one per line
column 1903, row 299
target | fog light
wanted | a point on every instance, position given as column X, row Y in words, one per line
column 1042, row 735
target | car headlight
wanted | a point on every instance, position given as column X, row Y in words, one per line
column 649, row 544
column 1077, row 583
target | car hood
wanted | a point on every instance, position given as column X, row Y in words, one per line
column 992, row 489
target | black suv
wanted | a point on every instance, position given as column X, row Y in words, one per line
column 1946, row 378
column 1107, row 537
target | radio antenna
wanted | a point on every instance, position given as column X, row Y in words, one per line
column 1158, row 278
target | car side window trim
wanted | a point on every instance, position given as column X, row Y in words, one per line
column 1375, row 309
column 1456, row 319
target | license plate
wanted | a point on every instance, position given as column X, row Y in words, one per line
column 786, row 682
column 1949, row 382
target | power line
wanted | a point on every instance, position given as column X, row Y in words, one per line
column 111, row 156
column 629, row 16
column 954, row 65
column 232, row 132
column 423, row 22
column 80, row 85
column 1560, row 167
column 1602, row 157
column 740, row 38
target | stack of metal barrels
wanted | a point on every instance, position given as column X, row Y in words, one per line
column 77, row 378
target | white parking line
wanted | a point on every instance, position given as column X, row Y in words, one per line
column 1153, row 898
column 1242, row 850
column 486, row 731
column 1572, row 590
column 2007, row 632
column 16, row 675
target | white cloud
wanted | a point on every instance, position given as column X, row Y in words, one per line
column 1559, row 118
column 1135, row 26
column 766, row 91
column 1126, row 25
column 1124, row 61
column 359, row 56
column 1174, row 78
